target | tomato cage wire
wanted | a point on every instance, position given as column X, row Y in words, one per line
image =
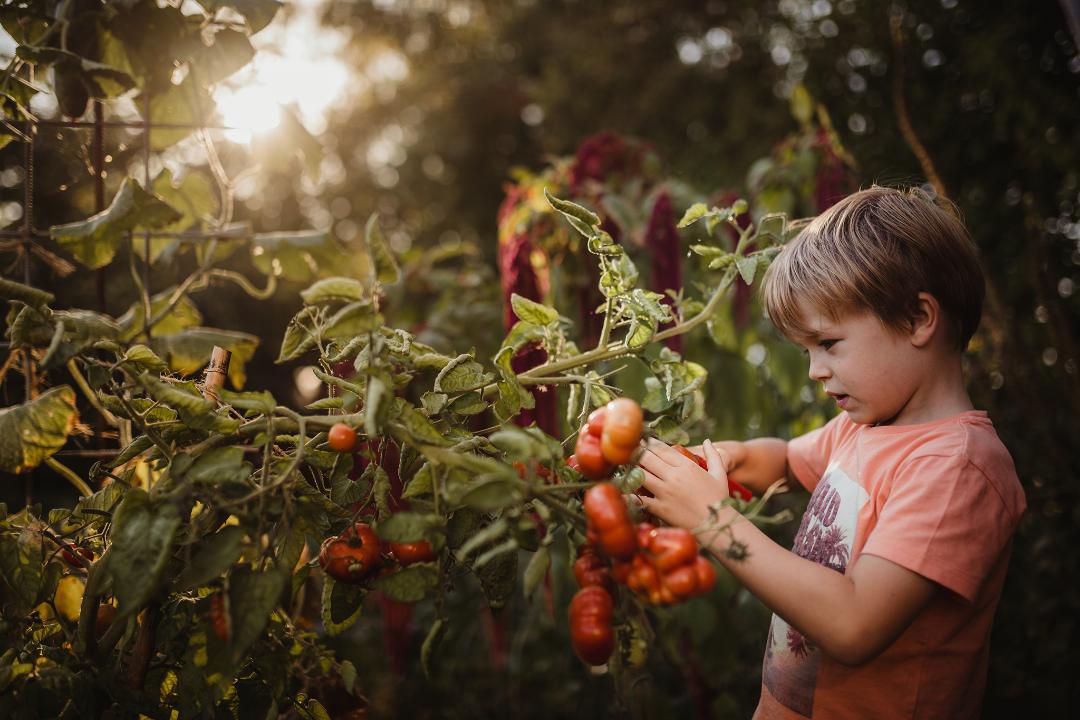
column 26, row 238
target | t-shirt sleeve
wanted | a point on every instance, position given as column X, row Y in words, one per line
column 808, row 455
column 944, row 520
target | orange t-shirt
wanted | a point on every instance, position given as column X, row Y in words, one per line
column 941, row 499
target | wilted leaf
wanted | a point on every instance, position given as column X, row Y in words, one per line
column 410, row 584
column 94, row 241
column 409, row 527
column 30, row 433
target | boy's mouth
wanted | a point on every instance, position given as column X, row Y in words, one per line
column 841, row 399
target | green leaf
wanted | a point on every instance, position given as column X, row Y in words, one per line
column 498, row 579
column 352, row 320
column 493, row 494
column 11, row 290
column 22, row 558
column 433, row 402
column 261, row 402
column 144, row 357
column 345, row 491
column 572, row 211
column 297, row 255
column 693, row 213
column 415, row 424
column 187, row 105
column 219, row 466
column 94, row 241
column 183, row 315
column 290, row 139
column 213, row 556
column 334, row 290
column 461, row 375
column 230, row 51
column 747, row 268
column 533, row 312
column 30, row 433
column 410, row 584
column 257, row 13
column 383, row 264
column 253, row 595
column 409, row 527
column 536, row 570
column 341, row 606
column 188, row 351
column 472, row 403
column 193, row 197
column 137, row 447
column 142, row 539
column 377, row 404
column 299, row 335
column 422, row 483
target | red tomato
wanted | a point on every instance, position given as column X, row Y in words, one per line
column 351, row 556
column 590, row 457
column 682, row 581
column 623, row 422
column 671, row 547
column 614, row 453
column 590, row 569
column 595, row 423
column 606, row 513
column 341, row 438
column 220, row 621
column 692, row 456
column 706, row 574
column 409, row 553
column 591, row 632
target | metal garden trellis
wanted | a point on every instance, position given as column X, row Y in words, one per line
column 26, row 237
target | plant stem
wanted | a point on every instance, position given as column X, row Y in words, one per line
column 91, row 396
column 69, row 475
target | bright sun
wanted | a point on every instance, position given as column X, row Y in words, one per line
column 288, row 69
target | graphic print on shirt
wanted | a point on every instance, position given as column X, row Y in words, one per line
column 825, row 536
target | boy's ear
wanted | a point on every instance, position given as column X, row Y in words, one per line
column 926, row 319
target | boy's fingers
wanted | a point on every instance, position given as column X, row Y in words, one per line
column 652, row 482
column 664, row 452
column 650, row 462
column 719, row 461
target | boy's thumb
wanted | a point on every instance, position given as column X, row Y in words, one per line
column 715, row 459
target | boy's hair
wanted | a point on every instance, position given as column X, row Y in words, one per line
column 875, row 251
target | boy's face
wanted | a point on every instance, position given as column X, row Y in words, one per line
column 870, row 370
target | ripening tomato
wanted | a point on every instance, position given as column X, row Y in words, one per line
column 414, row 552
column 706, row 574
column 68, row 553
column 573, row 463
column 105, row 615
column 671, row 547
column 590, row 457
column 220, row 621
column 692, row 456
column 351, row 556
column 614, row 453
column 682, row 581
column 605, row 510
column 623, row 422
column 590, row 569
column 595, row 423
column 341, row 438
column 591, row 632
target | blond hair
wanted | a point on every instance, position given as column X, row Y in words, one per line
column 875, row 251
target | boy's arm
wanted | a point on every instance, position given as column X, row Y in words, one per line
column 852, row 618
column 756, row 464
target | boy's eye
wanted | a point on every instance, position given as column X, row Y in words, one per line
column 827, row 343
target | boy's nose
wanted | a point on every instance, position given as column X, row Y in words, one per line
column 818, row 370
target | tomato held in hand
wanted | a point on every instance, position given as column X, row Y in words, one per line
column 409, row 553
column 341, row 438
column 590, row 457
column 735, row 489
column 351, row 556
column 591, row 632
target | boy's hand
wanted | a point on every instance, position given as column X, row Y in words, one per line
column 682, row 491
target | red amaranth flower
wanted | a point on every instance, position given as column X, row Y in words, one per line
column 665, row 251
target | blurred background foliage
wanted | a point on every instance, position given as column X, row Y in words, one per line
column 421, row 110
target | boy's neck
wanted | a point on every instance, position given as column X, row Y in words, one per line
column 941, row 394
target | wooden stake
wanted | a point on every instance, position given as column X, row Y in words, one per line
column 216, row 372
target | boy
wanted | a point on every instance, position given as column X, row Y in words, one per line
column 883, row 609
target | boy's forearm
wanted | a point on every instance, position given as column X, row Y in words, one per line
column 819, row 602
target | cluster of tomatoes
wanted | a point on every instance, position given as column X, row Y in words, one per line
column 357, row 552
column 610, row 437
column 661, row 565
